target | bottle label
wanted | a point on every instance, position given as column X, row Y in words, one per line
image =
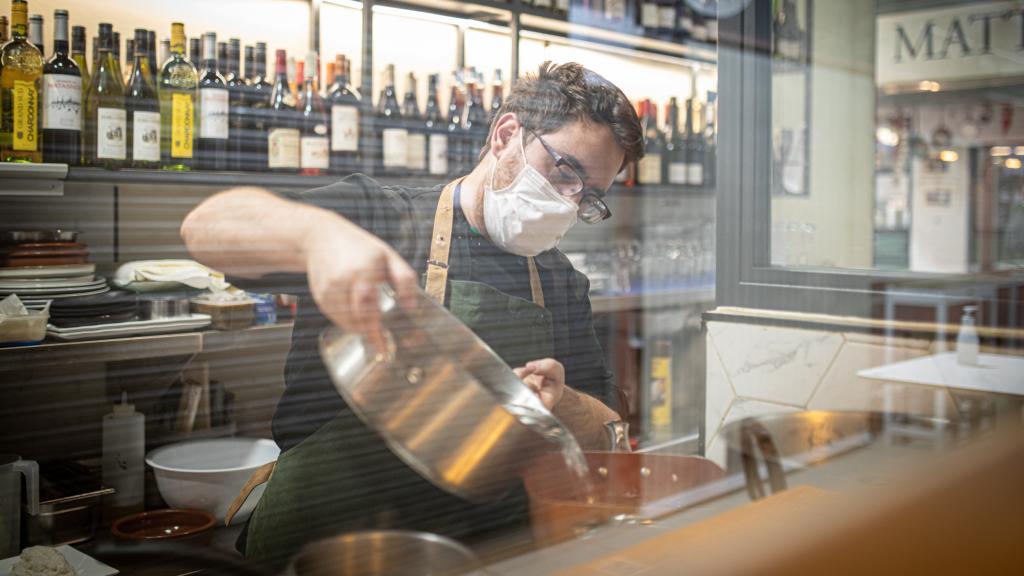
column 438, row 154
column 649, row 14
column 615, row 9
column 146, row 136
column 182, row 125
column 416, row 155
column 24, row 106
column 542, row 3
column 344, row 128
column 283, row 148
column 667, row 17
column 314, row 152
column 62, row 102
column 649, row 169
column 395, row 141
column 678, row 173
column 695, row 175
column 111, row 133
column 213, row 113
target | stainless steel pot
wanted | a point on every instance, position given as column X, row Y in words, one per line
column 35, row 236
column 155, row 307
column 384, row 553
column 446, row 404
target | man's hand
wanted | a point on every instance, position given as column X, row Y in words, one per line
column 545, row 377
column 345, row 265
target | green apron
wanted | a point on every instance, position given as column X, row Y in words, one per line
column 343, row 477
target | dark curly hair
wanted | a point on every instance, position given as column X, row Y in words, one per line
column 562, row 93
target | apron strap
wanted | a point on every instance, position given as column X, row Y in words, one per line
column 440, row 248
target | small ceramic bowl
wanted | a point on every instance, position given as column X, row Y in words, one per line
column 165, row 525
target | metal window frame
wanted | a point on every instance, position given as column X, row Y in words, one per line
column 745, row 276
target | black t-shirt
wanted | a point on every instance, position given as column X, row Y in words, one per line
column 404, row 217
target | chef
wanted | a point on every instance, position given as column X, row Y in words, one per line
column 484, row 245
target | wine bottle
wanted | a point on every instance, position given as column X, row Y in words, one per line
column 282, row 128
column 165, row 52
column 260, row 91
column 106, row 123
column 213, row 112
column 143, row 107
column 416, row 144
column 177, row 105
column 474, row 122
column 238, row 94
column 129, row 61
column 35, row 33
column 684, row 26
column 5, row 30
column 78, row 55
column 694, row 147
column 330, row 75
column 394, row 136
column 667, row 18
column 649, row 169
column 195, row 52
column 117, row 50
column 154, row 64
column 292, row 83
column 437, row 133
column 675, row 147
column 222, row 60
column 345, row 107
column 456, row 149
column 649, row 16
column 62, row 99
column 20, row 140
column 700, row 28
column 561, row 8
column 497, row 94
column 314, row 142
column 95, row 51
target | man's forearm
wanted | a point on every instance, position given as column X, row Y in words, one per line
column 250, row 232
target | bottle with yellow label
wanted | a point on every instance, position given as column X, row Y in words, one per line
column 178, row 85
column 20, row 76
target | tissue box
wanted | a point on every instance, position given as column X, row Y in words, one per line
column 27, row 329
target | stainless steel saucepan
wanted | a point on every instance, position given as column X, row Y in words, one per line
column 446, row 404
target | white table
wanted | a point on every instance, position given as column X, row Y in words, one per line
column 994, row 374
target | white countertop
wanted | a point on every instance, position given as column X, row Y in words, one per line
column 994, row 373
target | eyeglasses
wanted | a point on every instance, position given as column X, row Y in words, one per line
column 568, row 181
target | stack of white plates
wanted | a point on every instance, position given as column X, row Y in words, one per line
column 37, row 284
column 130, row 328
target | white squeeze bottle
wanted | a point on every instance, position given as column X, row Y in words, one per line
column 124, row 449
column 967, row 340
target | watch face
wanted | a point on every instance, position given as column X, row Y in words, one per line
column 719, row 8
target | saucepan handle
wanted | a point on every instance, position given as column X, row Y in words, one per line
column 755, row 439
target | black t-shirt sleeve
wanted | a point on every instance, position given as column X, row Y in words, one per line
column 383, row 211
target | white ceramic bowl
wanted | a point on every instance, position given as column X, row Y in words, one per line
column 208, row 474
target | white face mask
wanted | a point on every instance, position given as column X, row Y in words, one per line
column 528, row 216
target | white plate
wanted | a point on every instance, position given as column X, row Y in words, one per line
column 56, row 283
column 61, row 271
column 83, row 564
column 40, row 296
column 131, row 328
column 72, row 287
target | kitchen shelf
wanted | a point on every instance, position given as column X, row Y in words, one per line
column 578, row 25
column 143, row 347
column 607, row 303
column 24, row 179
column 58, row 174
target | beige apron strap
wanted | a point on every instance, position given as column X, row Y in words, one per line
column 259, row 476
column 440, row 245
column 440, row 248
column 535, row 288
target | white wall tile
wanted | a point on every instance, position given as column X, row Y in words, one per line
column 719, row 393
column 774, row 364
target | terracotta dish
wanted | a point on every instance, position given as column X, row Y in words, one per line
column 165, row 524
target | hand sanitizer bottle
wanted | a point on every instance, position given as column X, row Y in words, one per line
column 967, row 340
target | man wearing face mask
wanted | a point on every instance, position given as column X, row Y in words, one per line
column 484, row 246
